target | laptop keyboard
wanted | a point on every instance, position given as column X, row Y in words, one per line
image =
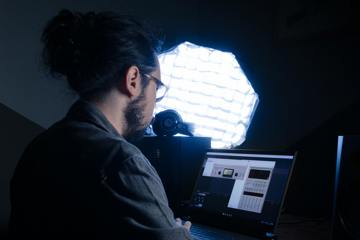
column 202, row 232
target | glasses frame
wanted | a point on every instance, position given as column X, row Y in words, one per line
column 159, row 84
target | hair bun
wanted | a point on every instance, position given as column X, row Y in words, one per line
column 61, row 52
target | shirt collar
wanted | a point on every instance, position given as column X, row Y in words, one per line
column 86, row 111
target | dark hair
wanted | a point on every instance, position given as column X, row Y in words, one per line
column 94, row 50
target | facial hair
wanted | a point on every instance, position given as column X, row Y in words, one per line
column 134, row 116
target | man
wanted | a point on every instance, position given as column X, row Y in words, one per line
column 81, row 177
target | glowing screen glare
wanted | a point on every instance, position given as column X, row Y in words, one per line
column 209, row 89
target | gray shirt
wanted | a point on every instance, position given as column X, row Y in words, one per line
column 81, row 178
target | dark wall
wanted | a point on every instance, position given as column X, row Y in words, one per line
column 311, row 190
column 16, row 132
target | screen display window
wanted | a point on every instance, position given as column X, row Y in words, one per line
column 249, row 186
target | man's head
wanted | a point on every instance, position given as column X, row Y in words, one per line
column 139, row 111
column 100, row 52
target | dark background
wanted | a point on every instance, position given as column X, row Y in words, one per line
column 301, row 57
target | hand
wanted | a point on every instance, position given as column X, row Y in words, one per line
column 186, row 224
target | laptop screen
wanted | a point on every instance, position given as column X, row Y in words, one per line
column 237, row 187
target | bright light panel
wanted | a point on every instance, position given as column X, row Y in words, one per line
column 209, row 89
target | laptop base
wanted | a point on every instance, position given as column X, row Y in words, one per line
column 203, row 232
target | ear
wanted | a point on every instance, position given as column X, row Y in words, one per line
column 132, row 82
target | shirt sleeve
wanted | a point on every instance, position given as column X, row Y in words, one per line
column 139, row 199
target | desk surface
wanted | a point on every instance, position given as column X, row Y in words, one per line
column 300, row 228
column 290, row 228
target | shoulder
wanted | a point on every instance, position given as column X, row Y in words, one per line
column 83, row 140
column 127, row 158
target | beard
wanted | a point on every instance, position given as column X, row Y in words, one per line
column 134, row 116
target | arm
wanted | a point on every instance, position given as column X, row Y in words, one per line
column 139, row 200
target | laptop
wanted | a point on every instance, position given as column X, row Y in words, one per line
column 239, row 194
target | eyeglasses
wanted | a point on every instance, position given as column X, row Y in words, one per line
column 161, row 88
